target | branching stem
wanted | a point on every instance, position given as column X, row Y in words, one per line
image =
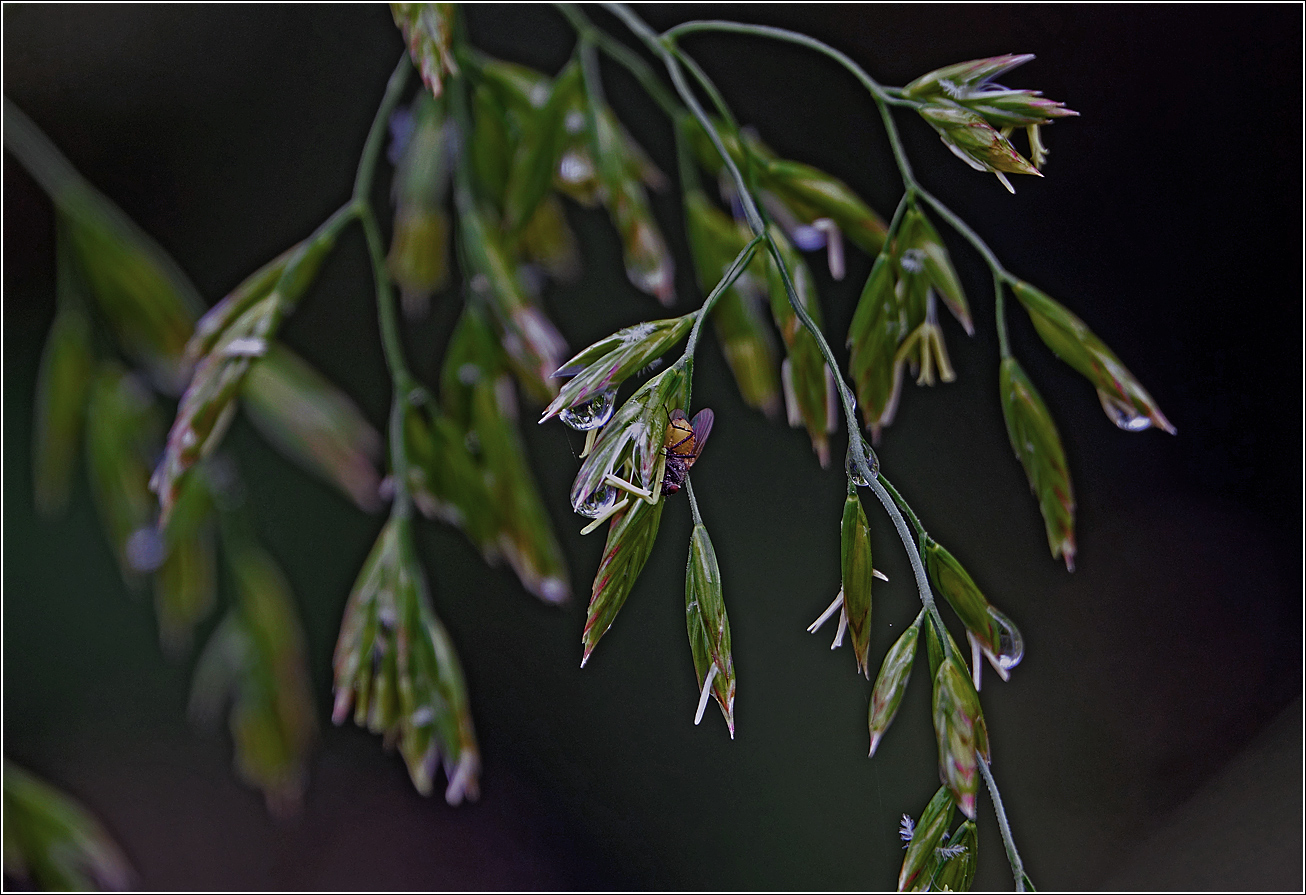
column 623, row 56
column 664, row 46
column 394, row 88
column 391, row 339
column 671, row 58
column 884, row 98
column 878, row 486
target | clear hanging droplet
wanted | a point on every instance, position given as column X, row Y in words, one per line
column 597, row 503
column 591, row 414
column 858, row 479
column 1011, row 646
column 1123, row 415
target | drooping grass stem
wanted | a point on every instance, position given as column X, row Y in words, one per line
column 671, row 58
column 391, row 340
column 1023, row 882
column 737, row 267
column 623, row 56
column 394, row 88
column 693, row 502
column 884, row 98
column 665, row 47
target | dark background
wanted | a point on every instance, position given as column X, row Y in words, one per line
column 1152, row 737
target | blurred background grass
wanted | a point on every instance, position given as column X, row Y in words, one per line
column 1169, row 220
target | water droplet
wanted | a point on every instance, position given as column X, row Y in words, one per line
column 1122, row 414
column 592, row 413
column 1011, row 646
column 858, row 479
column 597, row 503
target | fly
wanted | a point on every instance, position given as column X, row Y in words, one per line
column 684, row 442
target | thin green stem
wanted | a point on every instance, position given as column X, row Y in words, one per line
column 1023, row 882
column 394, row 88
column 756, row 224
column 642, row 73
column 964, row 229
column 898, row 499
column 328, row 229
column 326, row 232
column 752, row 215
column 895, row 143
column 800, row 311
column 392, row 344
column 755, row 221
column 693, row 502
column 668, row 56
column 713, row 94
column 895, row 96
column 464, row 199
column 1000, row 274
column 674, row 34
column 896, row 221
column 856, row 446
column 999, row 314
column 733, row 273
column 891, row 501
column 623, row 56
column 914, row 556
column 391, row 340
column 719, row 102
column 883, row 98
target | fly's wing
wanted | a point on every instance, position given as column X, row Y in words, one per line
column 702, row 425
